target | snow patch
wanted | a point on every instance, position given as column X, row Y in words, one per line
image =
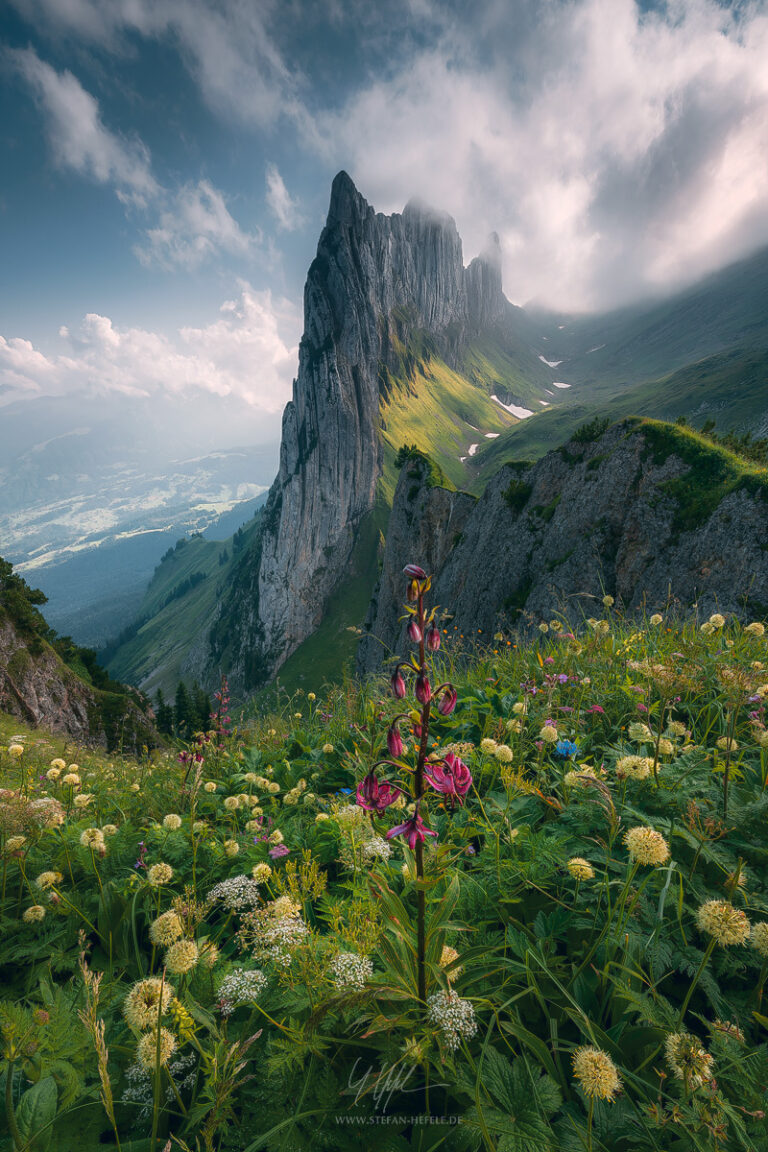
column 559, row 384
column 550, row 363
column 514, row 409
column 462, row 459
column 545, row 403
column 492, row 435
column 473, row 448
column 596, row 348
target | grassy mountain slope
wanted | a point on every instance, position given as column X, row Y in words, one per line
column 175, row 612
column 730, row 388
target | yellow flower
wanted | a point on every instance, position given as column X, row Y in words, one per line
column 297, row 715
column 726, row 744
column 707, row 629
column 580, row 868
column 717, row 621
column 33, row 914
column 14, row 843
column 608, row 601
column 231, row 847
column 261, row 873
column 554, row 626
column 719, row 919
column 92, row 838
column 160, row 874
column 758, row 939
column 311, row 696
column 321, row 816
column 166, row 929
column 328, row 749
column 48, row 879
column 688, row 1060
column 172, row 822
column 448, row 956
column 147, row 1049
column 135, row 787
column 596, row 1073
column 646, row 846
column 142, row 1004
column 182, row 957
column 755, row 628
column 656, row 619
column 209, row 786
column 16, row 750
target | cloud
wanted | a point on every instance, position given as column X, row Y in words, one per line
column 617, row 152
column 78, row 137
column 282, row 205
column 249, row 352
column 194, row 221
column 196, row 226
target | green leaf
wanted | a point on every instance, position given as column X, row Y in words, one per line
column 36, row 1113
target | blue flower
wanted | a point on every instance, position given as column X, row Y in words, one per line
column 566, row 749
column 343, row 791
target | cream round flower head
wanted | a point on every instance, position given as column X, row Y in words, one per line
column 261, row 873
column 448, row 956
column 147, row 1048
column 135, row 787
column 503, row 753
column 92, row 838
column 16, row 750
column 166, row 929
column 72, row 779
column 321, row 816
column 608, row 601
column 488, row 746
column 182, row 957
column 666, row 747
column 273, row 787
column 110, row 829
column 520, row 708
column 297, row 715
column 646, row 846
column 14, row 843
column 311, row 696
column 656, row 619
column 634, row 767
column 716, row 620
column 53, row 773
column 707, row 629
column 758, row 939
column 172, row 822
column 328, row 749
column 755, row 628
column 596, row 1072
column 676, row 728
column 34, row 913
column 727, row 744
column 555, row 626
column 142, row 1006
column 59, row 763
column 580, row 868
column 688, row 1060
column 159, row 874
column 549, row 734
column 726, row 924
column 231, row 803
column 640, row 732
column 210, row 786
column 209, row 953
column 544, row 627
column 48, row 880
column 275, row 837
column 231, row 847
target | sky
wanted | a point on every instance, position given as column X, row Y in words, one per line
column 166, row 166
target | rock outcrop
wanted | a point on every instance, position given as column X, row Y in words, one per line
column 643, row 513
column 375, row 282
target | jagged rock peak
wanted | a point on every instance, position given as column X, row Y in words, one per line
column 347, row 206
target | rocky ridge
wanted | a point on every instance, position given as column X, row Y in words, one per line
column 376, row 281
column 642, row 512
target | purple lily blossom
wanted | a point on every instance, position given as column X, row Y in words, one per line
column 423, row 689
column 447, row 701
column 451, row 777
column 394, row 741
column 374, row 796
column 412, row 830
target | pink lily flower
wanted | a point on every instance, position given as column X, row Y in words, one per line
column 412, row 830
column 374, row 796
column 451, row 777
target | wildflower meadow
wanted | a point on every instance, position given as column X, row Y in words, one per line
column 512, row 898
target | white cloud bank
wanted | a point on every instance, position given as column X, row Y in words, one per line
column 281, row 204
column 249, row 352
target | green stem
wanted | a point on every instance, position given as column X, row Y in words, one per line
column 18, row 1143
column 694, row 982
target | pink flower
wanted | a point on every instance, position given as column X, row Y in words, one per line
column 447, row 701
column 451, row 777
column 423, row 689
column 398, row 685
column 412, row 830
column 433, row 638
column 596, row 709
column 642, row 708
column 279, row 850
column 394, row 741
column 414, row 572
column 414, row 631
column 549, row 659
column 375, row 796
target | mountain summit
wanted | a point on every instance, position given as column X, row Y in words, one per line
column 376, row 282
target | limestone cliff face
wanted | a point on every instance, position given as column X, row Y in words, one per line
column 39, row 689
column 375, row 281
column 611, row 516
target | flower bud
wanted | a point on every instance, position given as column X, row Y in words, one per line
column 397, row 684
column 414, row 572
column 394, row 741
column 414, row 631
column 423, row 690
column 433, row 638
column 447, row 701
